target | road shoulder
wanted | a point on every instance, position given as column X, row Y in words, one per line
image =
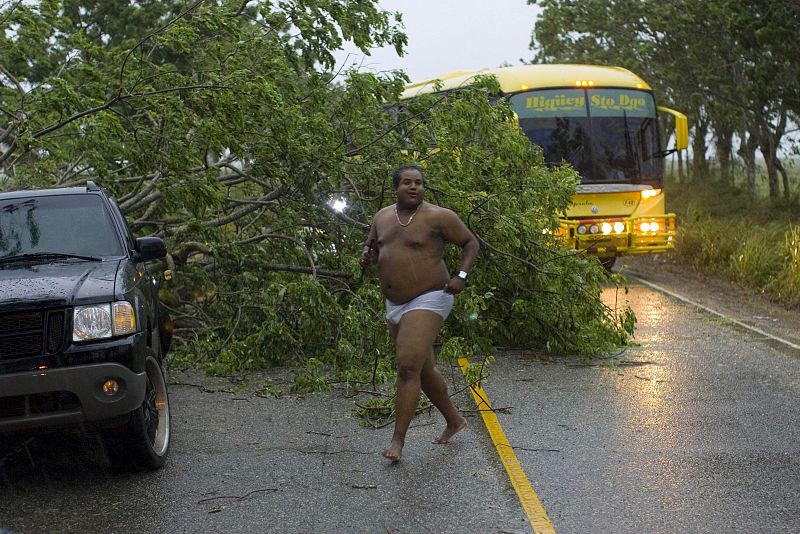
column 728, row 298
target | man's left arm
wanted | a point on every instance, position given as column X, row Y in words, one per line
column 456, row 232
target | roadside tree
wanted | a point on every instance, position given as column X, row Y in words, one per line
column 730, row 65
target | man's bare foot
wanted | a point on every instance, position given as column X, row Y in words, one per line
column 393, row 451
column 450, row 430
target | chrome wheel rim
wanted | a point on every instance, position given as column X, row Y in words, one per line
column 155, row 408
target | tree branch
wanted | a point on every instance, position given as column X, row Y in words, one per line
column 7, row 154
column 147, row 214
column 16, row 83
column 283, row 267
column 114, row 100
column 182, row 253
column 244, row 211
column 149, row 36
column 344, row 218
column 296, row 241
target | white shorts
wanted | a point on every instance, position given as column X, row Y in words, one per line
column 436, row 301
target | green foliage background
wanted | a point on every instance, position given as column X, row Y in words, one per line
column 722, row 232
column 221, row 127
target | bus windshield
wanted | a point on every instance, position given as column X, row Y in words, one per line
column 607, row 135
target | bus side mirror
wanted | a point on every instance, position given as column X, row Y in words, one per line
column 681, row 128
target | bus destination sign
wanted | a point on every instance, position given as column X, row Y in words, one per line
column 572, row 103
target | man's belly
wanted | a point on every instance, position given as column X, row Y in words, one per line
column 403, row 276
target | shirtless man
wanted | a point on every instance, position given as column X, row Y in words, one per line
column 408, row 240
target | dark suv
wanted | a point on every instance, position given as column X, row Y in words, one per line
column 82, row 333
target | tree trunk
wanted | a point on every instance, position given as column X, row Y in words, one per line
column 781, row 169
column 772, row 173
column 724, row 135
column 770, row 139
column 699, row 148
column 747, row 151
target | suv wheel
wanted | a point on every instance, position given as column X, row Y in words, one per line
column 142, row 443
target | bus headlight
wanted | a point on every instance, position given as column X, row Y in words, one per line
column 606, row 227
column 648, row 193
column 581, row 229
column 619, row 227
column 650, row 227
column 593, row 229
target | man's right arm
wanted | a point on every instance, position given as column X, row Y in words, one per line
column 368, row 252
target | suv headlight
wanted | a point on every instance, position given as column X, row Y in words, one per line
column 100, row 321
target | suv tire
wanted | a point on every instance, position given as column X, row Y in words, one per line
column 142, row 443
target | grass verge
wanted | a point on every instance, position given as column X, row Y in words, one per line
column 755, row 243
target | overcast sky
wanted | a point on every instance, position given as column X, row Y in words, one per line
column 450, row 35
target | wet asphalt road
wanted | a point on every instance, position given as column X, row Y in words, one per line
column 694, row 430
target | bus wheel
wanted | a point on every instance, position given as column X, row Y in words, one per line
column 608, row 263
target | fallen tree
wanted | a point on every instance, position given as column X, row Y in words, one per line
column 224, row 130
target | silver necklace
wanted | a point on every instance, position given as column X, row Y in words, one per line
column 409, row 219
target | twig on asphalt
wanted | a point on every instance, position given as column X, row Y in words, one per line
column 535, row 450
column 237, row 497
column 504, row 409
column 343, row 451
column 423, row 424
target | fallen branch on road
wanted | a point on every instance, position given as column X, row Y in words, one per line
column 535, row 450
column 505, row 409
column 237, row 497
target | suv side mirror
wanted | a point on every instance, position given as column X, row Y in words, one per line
column 150, row 248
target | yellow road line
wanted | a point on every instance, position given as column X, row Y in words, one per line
column 537, row 517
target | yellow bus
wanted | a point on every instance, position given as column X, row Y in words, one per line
column 604, row 122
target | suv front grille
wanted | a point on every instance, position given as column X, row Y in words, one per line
column 31, row 333
column 19, row 346
column 12, row 322
column 55, row 331
column 38, row 403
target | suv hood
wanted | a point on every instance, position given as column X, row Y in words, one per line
column 62, row 283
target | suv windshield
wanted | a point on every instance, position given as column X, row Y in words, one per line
column 607, row 135
column 62, row 224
